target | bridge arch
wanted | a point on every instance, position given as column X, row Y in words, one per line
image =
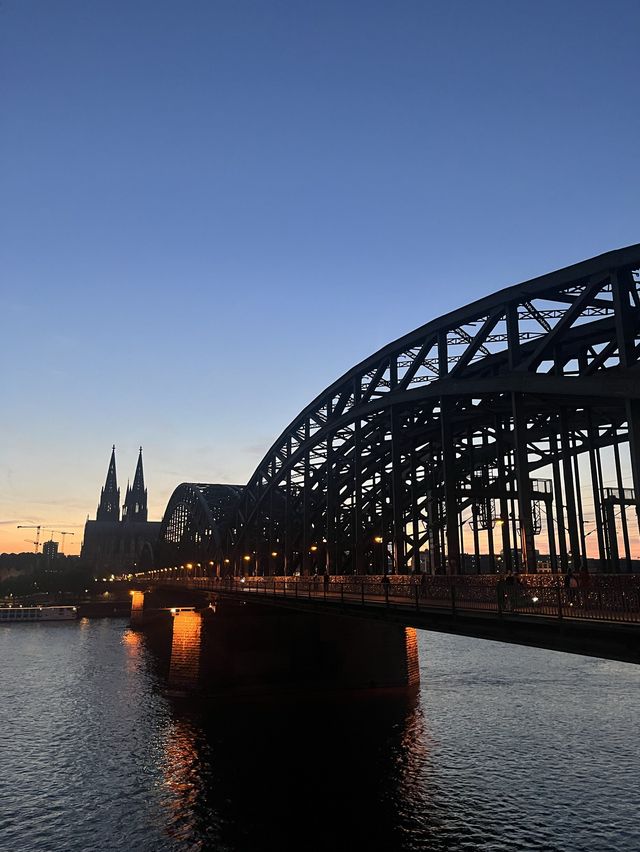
column 194, row 519
column 495, row 424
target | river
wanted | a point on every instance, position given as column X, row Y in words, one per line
column 504, row 748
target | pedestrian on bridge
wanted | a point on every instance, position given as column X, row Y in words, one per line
column 423, row 585
column 510, row 591
column 584, row 581
column 571, row 585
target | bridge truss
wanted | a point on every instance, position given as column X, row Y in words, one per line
column 191, row 527
column 498, row 429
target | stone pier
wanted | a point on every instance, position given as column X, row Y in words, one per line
column 267, row 647
column 137, row 609
column 240, row 646
column 184, row 669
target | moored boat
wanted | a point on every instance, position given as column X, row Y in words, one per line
column 19, row 614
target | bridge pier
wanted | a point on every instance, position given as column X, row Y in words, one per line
column 236, row 646
column 184, row 668
column 268, row 648
column 137, row 609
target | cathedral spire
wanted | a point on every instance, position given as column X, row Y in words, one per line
column 135, row 503
column 109, row 506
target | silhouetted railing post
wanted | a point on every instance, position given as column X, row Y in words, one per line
column 453, row 598
column 362, row 594
column 559, row 594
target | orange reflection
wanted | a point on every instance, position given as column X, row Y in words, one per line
column 132, row 641
column 181, row 780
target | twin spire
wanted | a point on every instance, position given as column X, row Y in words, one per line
column 135, row 501
column 109, row 506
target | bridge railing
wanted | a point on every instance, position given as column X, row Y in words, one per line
column 609, row 601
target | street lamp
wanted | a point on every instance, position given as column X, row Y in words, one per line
column 314, row 566
column 379, row 540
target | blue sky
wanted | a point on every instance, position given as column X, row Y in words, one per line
column 210, row 210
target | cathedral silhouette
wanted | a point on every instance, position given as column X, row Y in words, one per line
column 120, row 545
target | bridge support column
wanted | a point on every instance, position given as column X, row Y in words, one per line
column 184, row 669
column 450, row 483
column 137, row 609
column 569, row 492
column 524, row 484
column 262, row 648
column 398, row 496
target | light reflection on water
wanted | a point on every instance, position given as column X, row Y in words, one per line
column 505, row 748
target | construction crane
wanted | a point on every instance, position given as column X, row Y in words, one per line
column 62, row 533
column 37, row 543
column 32, row 527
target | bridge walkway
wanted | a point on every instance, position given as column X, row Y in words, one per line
column 540, row 602
column 603, row 623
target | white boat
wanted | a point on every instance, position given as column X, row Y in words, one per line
column 14, row 614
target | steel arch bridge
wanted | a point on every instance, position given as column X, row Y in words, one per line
column 191, row 527
column 505, row 428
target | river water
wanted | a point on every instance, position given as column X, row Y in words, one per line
column 504, row 748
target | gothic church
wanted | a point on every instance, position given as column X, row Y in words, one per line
column 117, row 545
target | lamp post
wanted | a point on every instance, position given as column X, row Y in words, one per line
column 314, row 564
column 382, row 566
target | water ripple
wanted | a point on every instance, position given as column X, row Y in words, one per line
column 505, row 749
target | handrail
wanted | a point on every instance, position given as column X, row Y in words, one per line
column 452, row 594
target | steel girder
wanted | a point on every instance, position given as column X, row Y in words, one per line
column 191, row 526
column 448, row 424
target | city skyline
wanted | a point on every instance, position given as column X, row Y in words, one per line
column 211, row 213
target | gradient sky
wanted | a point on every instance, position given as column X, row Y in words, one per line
column 211, row 210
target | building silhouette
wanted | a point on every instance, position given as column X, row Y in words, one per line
column 118, row 545
column 50, row 550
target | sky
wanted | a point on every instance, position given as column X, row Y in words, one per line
column 209, row 211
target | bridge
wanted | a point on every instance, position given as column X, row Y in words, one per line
column 503, row 436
